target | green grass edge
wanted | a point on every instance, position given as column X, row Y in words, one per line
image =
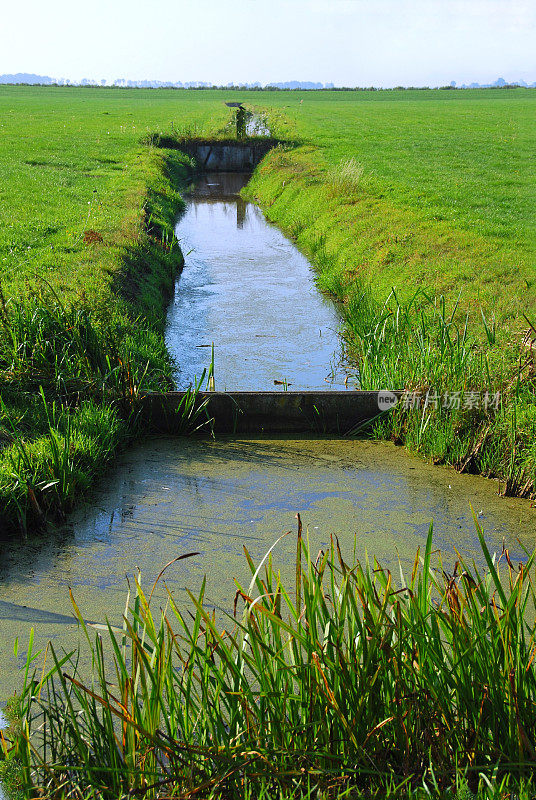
column 339, row 221
column 60, row 443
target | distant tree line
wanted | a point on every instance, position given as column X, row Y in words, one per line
column 27, row 79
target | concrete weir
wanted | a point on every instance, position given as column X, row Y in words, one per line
column 259, row 413
column 228, row 155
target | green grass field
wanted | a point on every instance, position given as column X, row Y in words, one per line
column 418, row 190
column 427, row 192
column 72, row 161
column 448, row 187
column 464, row 157
column 460, row 159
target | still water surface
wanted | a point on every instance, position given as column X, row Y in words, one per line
column 249, row 290
column 170, row 497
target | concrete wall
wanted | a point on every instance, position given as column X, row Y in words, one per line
column 257, row 413
column 228, row 156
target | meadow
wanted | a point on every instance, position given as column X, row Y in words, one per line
column 427, row 193
column 415, row 208
column 451, row 176
column 461, row 160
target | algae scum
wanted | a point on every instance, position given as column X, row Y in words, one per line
column 248, row 290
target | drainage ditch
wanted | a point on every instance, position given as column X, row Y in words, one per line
column 248, row 290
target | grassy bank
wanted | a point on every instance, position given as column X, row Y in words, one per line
column 415, row 207
column 348, row 684
column 72, row 362
column 88, row 260
column 450, row 173
column 437, row 311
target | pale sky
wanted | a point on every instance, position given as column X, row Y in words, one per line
column 347, row 42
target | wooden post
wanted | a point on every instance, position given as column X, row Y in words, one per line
column 241, row 123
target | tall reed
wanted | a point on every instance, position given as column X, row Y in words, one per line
column 71, row 376
column 348, row 679
column 475, row 406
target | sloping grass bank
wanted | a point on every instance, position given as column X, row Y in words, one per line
column 73, row 358
column 465, row 357
column 350, row 683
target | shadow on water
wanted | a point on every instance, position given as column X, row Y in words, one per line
column 182, row 489
column 114, row 506
column 13, row 611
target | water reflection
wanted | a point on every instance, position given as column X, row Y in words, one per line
column 248, row 289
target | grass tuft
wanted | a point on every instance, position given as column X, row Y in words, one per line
column 347, row 176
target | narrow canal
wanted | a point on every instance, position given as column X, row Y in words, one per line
column 248, row 290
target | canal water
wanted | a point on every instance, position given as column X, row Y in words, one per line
column 169, row 497
column 247, row 289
